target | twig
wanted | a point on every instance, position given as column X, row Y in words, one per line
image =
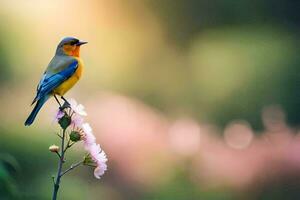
column 58, row 154
column 59, row 135
column 90, row 165
column 69, row 145
column 73, row 166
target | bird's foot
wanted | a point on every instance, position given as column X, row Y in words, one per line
column 57, row 101
column 66, row 103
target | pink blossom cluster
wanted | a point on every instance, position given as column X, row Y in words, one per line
column 95, row 151
column 77, row 112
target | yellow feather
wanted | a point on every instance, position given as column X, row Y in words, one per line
column 70, row 82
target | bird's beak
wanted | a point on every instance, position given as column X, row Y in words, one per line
column 81, row 43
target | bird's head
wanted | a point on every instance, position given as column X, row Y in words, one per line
column 69, row 46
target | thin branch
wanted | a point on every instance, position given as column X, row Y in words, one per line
column 73, row 166
column 59, row 135
column 71, row 144
column 90, row 165
column 58, row 155
column 67, row 146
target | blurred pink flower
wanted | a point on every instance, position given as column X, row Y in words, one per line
column 238, row 134
column 241, row 159
column 130, row 128
column 184, row 136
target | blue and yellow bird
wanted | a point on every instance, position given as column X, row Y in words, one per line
column 62, row 73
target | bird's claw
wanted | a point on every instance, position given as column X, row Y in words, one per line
column 66, row 105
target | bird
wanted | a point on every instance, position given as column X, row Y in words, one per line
column 62, row 73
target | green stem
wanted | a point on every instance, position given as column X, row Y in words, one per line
column 73, row 166
column 60, row 164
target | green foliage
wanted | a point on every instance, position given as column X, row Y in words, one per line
column 180, row 188
column 8, row 188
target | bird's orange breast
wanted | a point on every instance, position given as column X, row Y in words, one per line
column 70, row 82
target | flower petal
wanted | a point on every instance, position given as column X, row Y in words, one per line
column 59, row 114
column 77, row 108
column 89, row 137
column 77, row 120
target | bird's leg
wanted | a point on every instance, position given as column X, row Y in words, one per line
column 66, row 104
column 57, row 101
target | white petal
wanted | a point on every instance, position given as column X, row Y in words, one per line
column 80, row 110
column 73, row 103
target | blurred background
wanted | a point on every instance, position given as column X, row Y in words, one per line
column 190, row 99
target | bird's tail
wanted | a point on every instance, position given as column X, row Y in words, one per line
column 36, row 109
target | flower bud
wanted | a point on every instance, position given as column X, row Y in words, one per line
column 75, row 136
column 65, row 121
column 54, row 148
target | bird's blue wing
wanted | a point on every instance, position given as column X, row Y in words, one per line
column 49, row 83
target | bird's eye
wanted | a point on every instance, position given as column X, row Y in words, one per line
column 74, row 42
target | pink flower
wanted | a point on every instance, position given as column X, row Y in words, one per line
column 96, row 154
column 95, row 151
column 100, row 170
column 77, row 121
column 99, row 157
column 89, row 137
column 77, row 108
column 59, row 114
